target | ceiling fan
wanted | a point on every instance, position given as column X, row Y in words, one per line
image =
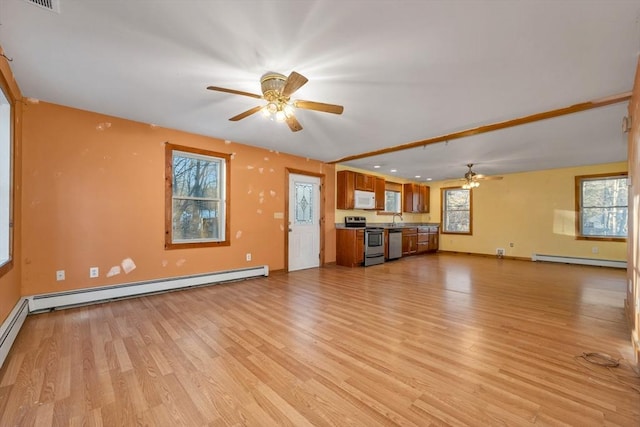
column 471, row 178
column 277, row 90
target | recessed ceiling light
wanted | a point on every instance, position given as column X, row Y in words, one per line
column 376, row 166
column 417, row 176
column 393, row 170
column 429, row 179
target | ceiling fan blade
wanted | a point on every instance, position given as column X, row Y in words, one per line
column 294, row 82
column 488, row 178
column 294, row 124
column 235, row 92
column 319, row 106
column 246, row 113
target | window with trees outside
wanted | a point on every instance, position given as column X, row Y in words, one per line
column 392, row 198
column 197, row 198
column 392, row 201
column 456, row 210
column 601, row 206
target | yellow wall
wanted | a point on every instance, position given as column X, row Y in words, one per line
column 535, row 211
column 93, row 195
column 10, row 276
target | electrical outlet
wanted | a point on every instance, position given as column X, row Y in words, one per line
column 94, row 272
column 249, row 256
column 500, row 252
column 60, row 275
column 594, row 250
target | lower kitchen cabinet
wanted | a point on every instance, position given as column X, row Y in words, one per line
column 423, row 240
column 350, row 247
column 409, row 241
column 428, row 239
column 419, row 240
column 434, row 240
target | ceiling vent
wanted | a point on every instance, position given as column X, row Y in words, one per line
column 52, row 5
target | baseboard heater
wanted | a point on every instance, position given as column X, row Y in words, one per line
column 11, row 326
column 577, row 260
column 106, row 293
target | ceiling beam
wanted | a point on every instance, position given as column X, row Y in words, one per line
column 614, row 99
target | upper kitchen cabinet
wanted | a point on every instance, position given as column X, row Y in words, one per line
column 349, row 181
column 365, row 182
column 380, row 189
column 345, row 190
column 416, row 198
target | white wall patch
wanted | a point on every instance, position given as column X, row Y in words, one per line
column 128, row 265
column 114, row 271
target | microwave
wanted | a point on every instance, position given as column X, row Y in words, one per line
column 364, row 200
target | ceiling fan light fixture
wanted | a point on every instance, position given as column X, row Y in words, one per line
column 288, row 109
column 272, row 107
column 276, row 91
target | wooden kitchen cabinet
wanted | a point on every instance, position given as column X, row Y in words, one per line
column 423, row 239
column 428, row 239
column 365, row 182
column 350, row 247
column 386, row 243
column 409, row 241
column 416, row 198
column 434, row 239
column 419, row 240
column 380, row 189
column 345, row 190
column 349, row 181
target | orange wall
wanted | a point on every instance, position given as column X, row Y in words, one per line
column 93, row 195
column 10, row 280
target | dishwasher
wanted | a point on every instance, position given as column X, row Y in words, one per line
column 395, row 243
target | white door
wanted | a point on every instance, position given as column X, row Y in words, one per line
column 304, row 222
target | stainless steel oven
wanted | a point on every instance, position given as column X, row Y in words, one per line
column 373, row 246
column 373, row 239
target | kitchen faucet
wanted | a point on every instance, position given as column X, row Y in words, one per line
column 393, row 222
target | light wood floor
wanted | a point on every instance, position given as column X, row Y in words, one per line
column 429, row 340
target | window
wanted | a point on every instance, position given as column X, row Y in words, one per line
column 6, row 183
column 456, row 210
column 392, row 198
column 601, row 206
column 197, row 203
column 392, row 201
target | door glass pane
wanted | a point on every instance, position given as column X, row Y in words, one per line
column 303, row 203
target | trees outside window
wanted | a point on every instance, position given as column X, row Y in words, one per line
column 601, row 206
column 456, row 211
column 197, row 201
column 392, row 201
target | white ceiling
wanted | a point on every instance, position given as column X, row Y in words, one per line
column 404, row 71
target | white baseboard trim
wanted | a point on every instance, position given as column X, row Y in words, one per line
column 11, row 326
column 106, row 293
column 582, row 261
